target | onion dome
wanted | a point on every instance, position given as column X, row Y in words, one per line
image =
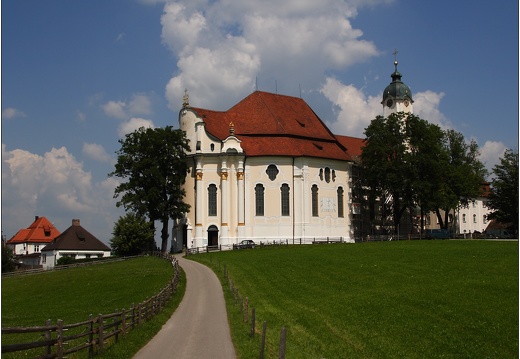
column 397, row 90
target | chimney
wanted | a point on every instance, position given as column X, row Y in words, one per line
column 36, row 218
column 75, row 222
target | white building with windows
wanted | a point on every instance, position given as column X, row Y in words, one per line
column 473, row 217
column 268, row 169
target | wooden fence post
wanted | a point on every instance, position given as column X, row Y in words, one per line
column 101, row 337
column 114, row 320
column 48, row 337
column 262, row 345
column 59, row 350
column 246, row 310
column 253, row 322
column 91, row 337
column 123, row 321
column 133, row 316
column 283, row 337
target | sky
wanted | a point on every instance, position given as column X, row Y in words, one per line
column 78, row 75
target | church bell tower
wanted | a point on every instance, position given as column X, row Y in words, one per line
column 397, row 96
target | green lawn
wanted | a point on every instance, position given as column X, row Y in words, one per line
column 408, row 299
column 73, row 294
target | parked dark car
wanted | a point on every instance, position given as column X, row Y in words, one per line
column 246, row 243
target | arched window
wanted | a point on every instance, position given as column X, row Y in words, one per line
column 285, row 199
column 272, row 172
column 474, row 218
column 314, row 190
column 259, row 200
column 212, row 200
column 327, row 174
column 340, row 202
column 464, row 218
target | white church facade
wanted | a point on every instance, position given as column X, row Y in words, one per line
column 268, row 170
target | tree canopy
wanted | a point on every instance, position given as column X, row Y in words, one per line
column 413, row 163
column 400, row 161
column 133, row 234
column 7, row 259
column 153, row 161
column 503, row 200
column 463, row 174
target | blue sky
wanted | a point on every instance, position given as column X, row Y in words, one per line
column 77, row 75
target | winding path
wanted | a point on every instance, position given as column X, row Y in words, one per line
column 199, row 327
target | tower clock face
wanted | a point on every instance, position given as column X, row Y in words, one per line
column 389, row 103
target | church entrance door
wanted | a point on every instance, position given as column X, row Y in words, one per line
column 213, row 236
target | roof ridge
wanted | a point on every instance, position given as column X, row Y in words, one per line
column 277, row 119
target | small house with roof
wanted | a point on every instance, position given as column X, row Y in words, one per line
column 28, row 242
column 75, row 242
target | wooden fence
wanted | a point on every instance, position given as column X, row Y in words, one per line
column 93, row 334
column 249, row 315
column 68, row 266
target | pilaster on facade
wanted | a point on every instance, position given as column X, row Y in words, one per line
column 224, row 217
column 199, row 213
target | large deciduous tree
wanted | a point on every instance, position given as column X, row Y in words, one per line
column 153, row 161
column 503, row 200
column 463, row 174
column 400, row 161
column 416, row 164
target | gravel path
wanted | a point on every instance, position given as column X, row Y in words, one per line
column 199, row 327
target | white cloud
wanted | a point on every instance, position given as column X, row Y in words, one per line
column 96, row 152
column 115, row 109
column 355, row 109
column 491, row 153
column 223, row 46
column 426, row 106
column 57, row 186
column 132, row 125
column 11, row 112
column 140, row 105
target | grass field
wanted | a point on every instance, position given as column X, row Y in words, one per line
column 408, row 299
column 73, row 294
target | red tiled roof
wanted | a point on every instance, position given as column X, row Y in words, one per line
column 272, row 124
column 485, row 189
column 354, row 146
column 40, row 231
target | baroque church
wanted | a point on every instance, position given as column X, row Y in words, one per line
column 269, row 170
